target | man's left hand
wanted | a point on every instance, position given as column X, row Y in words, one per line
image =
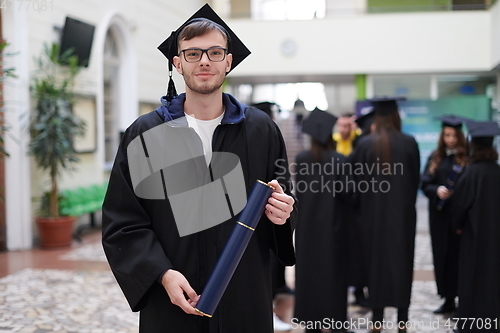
column 279, row 205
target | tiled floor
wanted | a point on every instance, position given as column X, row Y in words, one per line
column 73, row 290
column 55, row 300
column 12, row 262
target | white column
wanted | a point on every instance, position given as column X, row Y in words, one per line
column 332, row 98
column 128, row 103
column 434, row 87
column 17, row 112
column 347, row 100
column 263, row 92
column 370, row 89
column 361, row 6
column 345, row 7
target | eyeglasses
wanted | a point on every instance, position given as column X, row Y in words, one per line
column 213, row 54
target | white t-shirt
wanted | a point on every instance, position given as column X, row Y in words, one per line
column 205, row 130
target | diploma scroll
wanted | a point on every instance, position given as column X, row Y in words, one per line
column 234, row 248
column 450, row 183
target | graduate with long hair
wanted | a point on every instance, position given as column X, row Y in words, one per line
column 357, row 252
column 320, row 237
column 476, row 214
column 387, row 174
column 451, row 151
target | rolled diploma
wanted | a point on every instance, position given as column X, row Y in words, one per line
column 234, row 248
column 450, row 183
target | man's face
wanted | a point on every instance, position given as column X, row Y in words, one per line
column 344, row 127
column 205, row 76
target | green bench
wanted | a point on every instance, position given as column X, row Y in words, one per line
column 83, row 200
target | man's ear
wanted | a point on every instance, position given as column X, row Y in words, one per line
column 229, row 61
column 177, row 64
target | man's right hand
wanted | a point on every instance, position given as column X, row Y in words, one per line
column 176, row 285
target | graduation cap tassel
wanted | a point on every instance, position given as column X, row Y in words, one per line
column 171, row 92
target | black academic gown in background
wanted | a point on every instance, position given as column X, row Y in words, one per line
column 389, row 219
column 357, row 253
column 356, row 266
column 445, row 241
column 320, row 241
column 476, row 211
column 141, row 240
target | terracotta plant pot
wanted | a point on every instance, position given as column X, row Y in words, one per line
column 55, row 232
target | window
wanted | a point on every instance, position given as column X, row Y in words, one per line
column 111, row 97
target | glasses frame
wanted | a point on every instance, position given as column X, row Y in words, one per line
column 204, row 51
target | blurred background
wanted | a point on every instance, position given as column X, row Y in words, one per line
column 442, row 55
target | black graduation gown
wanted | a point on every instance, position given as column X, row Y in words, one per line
column 356, row 265
column 389, row 219
column 320, row 241
column 444, row 239
column 476, row 212
column 141, row 240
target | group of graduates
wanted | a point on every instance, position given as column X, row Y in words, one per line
column 366, row 238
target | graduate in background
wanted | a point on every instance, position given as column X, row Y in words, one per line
column 357, row 252
column 476, row 212
column 387, row 174
column 320, row 237
column 364, row 124
column 283, row 296
column 347, row 131
column 451, row 151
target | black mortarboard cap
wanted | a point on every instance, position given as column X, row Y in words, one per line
column 319, row 124
column 483, row 132
column 298, row 104
column 267, row 107
column 450, row 120
column 384, row 106
column 169, row 46
column 365, row 120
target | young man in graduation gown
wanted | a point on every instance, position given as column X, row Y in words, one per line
column 476, row 213
column 386, row 167
column 161, row 269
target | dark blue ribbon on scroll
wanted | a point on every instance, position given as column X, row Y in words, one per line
column 234, row 248
column 450, row 183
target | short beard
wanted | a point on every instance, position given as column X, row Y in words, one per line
column 203, row 89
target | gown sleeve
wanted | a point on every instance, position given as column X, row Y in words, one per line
column 133, row 250
column 463, row 198
column 429, row 185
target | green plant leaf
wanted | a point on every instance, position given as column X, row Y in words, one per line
column 54, row 126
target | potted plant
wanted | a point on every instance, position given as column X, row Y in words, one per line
column 53, row 129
